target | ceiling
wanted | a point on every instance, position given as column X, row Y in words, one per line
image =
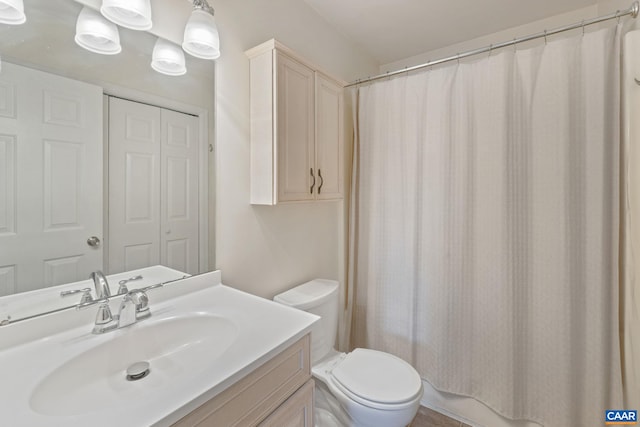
column 391, row 30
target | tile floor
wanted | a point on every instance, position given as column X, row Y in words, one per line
column 429, row 418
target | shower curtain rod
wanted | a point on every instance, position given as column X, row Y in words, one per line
column 633, row 11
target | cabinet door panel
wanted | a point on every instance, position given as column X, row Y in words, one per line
column 329, row 137
column 295, row 130
column 297, row 411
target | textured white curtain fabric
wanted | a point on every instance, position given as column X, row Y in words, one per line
column 630, row 269
column 485, row 228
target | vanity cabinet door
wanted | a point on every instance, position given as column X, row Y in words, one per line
column 297, row 411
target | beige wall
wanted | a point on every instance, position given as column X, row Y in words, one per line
column 501, row 36
column 266, row 249
column 603, row 7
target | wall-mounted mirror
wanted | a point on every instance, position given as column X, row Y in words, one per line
column 103, row 161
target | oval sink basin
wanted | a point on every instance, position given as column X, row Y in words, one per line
column 176, row 348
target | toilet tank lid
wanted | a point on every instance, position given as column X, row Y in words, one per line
column 308, row 294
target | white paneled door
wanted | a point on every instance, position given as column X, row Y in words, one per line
column 179, row 192
column 134, row 185
column 50, row 179
column 153, row 187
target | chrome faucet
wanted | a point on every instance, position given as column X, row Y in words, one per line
column 133, row 308
column 101, row 285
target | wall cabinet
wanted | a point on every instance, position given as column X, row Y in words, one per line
column 297, row 128
column 278, row 393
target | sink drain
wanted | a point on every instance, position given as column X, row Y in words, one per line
column 138, row 371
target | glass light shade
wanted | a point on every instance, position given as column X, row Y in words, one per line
column 12, row 12
column 201, row 36
column 168, row 58
column 96, row 34
column 133, row 14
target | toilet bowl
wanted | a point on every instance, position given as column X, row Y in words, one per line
column 361, row 388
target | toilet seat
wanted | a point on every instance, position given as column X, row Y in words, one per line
column 375, row 379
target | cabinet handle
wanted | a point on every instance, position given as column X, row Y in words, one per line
column 314, row 182
column 321, row 181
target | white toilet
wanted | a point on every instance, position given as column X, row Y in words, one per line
column 362, row 388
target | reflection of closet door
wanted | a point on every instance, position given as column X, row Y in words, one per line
column 153, row 188
column 50, row 179
column 134, row 185
column 179, row 183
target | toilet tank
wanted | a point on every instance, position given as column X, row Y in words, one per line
column 320, row 297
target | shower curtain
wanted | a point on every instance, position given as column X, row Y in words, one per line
column 484, row 227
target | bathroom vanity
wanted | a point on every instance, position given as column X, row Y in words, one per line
column 217, row 357
column 278, row 393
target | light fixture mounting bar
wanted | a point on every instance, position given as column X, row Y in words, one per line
column 202, row 4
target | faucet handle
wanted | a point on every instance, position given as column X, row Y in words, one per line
column 141, row 300
column 123, row 284
column 86, row 294
column 122, row 289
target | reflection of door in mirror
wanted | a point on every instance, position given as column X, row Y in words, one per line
column 153, row 187
column 50, row 179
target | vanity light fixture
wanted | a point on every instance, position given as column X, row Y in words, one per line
column 12, row 12
column 168, row 58
column 96, row 34
column 201, row 33
column 133, row 14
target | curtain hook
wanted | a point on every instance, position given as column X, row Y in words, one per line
column 406, row 70
column 458, row 58
column 583, row 27
column 618, row 15
column 490, row 49
column 515, row 45
column 545, row 37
